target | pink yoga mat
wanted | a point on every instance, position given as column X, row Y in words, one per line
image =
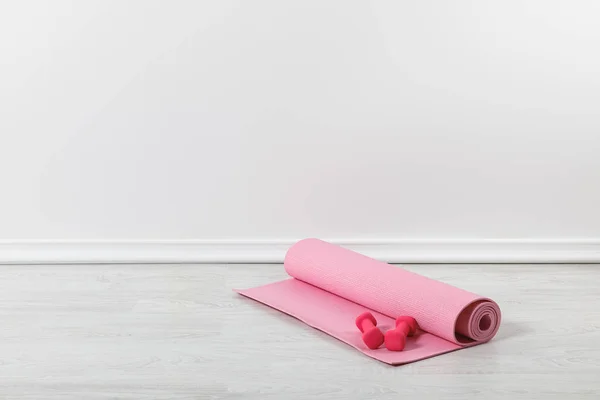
column 330, row 286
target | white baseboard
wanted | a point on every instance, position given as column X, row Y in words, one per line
column 273, row 251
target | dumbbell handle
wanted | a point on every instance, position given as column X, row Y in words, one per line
column 366, row 324
column 403, row 327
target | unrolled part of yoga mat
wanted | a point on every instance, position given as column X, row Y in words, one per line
column 330, row 286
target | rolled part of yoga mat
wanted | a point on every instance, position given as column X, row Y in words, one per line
column 330, row 286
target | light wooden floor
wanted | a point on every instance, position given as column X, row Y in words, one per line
column 179, row 332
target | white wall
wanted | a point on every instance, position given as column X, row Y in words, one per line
column 285, row 119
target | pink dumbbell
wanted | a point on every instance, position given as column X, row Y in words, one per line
column 372, row 335
column 395, row 339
